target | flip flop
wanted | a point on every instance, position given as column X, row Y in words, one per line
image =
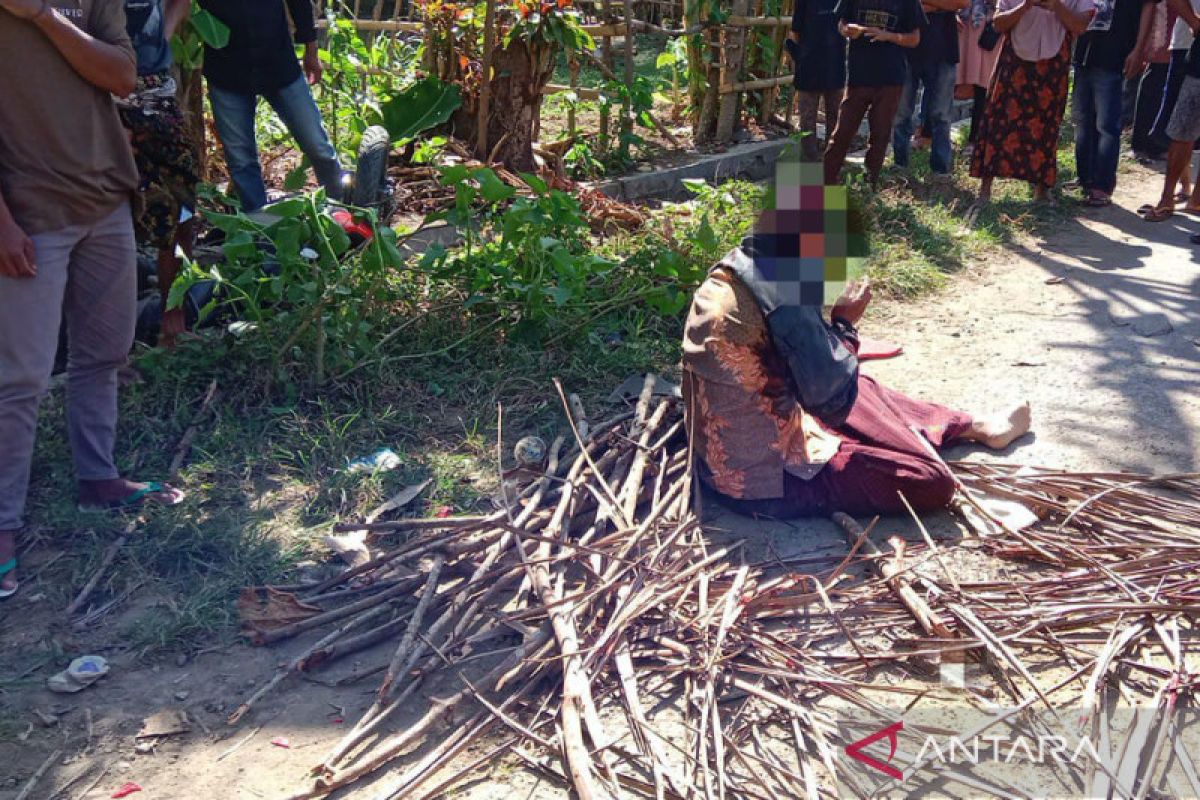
column 1182, row 197
column 139, row 498
column 6, row 568
column 1158, row 214
column 871, row 349
column 1098, row 202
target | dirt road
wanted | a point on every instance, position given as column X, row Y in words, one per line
column 1098, row 325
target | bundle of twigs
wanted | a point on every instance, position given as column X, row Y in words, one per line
column 591, row 630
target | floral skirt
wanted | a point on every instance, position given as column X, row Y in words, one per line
column 1018, row 134
column 165, row 156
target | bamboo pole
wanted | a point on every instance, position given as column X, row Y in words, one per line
column 485, row 87
column 731, row 72
column 762, row 83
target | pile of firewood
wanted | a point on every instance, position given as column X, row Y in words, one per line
column 593, row 631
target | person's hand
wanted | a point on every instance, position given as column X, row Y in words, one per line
column 853, row 302
column 313, row 70
column 879, row 35
column 853, row 31
column 1135, row 64
column 17, row 256
column 23, row 9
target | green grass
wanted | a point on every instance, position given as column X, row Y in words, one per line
column 267, row 473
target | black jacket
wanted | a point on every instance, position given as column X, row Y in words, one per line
column 261, row 56
column 820, row 357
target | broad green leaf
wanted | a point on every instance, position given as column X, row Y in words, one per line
column 424, row 105
column 214, row 32
column 491, row 187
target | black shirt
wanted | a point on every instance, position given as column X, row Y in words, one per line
column 871, row 63
column 1109, row 49
column 939, row 40
column 260, row 56
column 820, row 55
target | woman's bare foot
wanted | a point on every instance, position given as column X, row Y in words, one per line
column 998, row 431
column 8, row 551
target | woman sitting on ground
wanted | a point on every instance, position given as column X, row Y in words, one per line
column 1018, row 134
column 783, row 423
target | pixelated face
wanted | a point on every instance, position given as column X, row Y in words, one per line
column 810, row 241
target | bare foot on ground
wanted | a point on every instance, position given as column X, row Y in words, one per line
column 998, row 431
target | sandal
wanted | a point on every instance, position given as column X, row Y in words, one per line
column 6, row 568
column 166, row 496
column 1159, row 214
column 1098, row 201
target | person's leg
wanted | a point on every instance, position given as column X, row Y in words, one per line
column 1083, row 113
column 879, row 119
column 939, row 96
column 233, row 116
column 1176, row 70
column 833, row 106
column 1127, row 97
column 295, row 105
column 1179, row 157
column 906, row 112
column 1107, row 93
column 1149, row 99
column 100, row 309
column 979, row 102
column 854, row 107
column 30, row 317
column 806, row 121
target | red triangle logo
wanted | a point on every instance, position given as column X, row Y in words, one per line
column 855, row 750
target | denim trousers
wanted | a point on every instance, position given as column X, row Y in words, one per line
column 1096, row 112
column 936, row 80
column 87, row 275
column 233, row 114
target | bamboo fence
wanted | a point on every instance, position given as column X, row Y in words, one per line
column 745, row 52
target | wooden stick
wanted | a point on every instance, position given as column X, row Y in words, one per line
column 185, row 443
column 37, row 776
column 105, row 563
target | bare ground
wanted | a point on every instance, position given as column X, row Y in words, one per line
column 1065, row 322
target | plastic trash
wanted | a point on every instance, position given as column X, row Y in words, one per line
column 379, row 461
column 126, row 790
column 282, row 741
column 82, row 673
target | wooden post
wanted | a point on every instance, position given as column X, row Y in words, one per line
column 573, row 65
column 731, row 72
column 771, row 96
column 606, row 43
column 485, row 80
column 627, row 105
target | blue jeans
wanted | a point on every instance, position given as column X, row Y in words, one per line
column 937, row 100
column 1096, row 112
column 233, row 114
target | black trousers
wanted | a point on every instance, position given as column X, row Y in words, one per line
column 1151, row 91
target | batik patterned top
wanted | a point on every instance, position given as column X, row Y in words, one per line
column 746, row 427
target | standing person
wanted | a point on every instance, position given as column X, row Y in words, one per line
column 66, row 245
column 1152, row 85
column 879, row 32
column 1112, row 48
column 1181, row 40
column 1184, row 130
column 819, row 54
column 1018, row 135
column 162, row 146
column 976, row 63
column 260, row 61
column 932, row 65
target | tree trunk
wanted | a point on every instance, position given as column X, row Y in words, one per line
column 519, row 72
